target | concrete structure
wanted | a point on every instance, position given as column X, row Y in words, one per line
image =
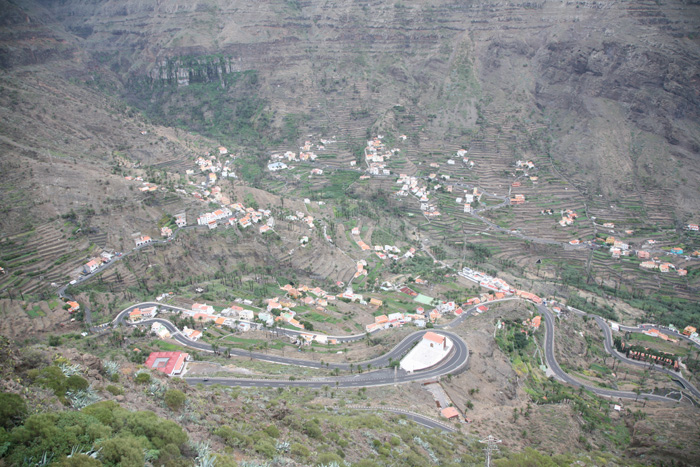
column 430, row 351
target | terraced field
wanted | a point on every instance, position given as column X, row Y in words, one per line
column 35, row 259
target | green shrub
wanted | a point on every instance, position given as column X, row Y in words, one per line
column 12, row 409
column 300, row 450
column 125, row 451
column 328, row 458
column 265, row 448
column 395, row 441
column 343, row 443
column 312, row 430
column 116, row 391
column 51, row 377
column 76, row 382
column 79, row 460
column 224, row 461
column 232, row 437
column 272, row 431
column 143, row 378
column 175, row 399
column 55, row 341
column 365, row 463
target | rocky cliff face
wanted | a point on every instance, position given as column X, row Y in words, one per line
column 616, row 83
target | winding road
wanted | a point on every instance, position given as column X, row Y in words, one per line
column 454, row 363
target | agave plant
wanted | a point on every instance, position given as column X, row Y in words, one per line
column 282, row 446
column 111, row 367
column 42, row 461
column 254, row 464
column 205, row 461
column 81, row 398
column 69, row 370
column 75, row 450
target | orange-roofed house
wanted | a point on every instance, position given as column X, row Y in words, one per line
column 91, row 266
column 643, row 254
column 375, row 302
column 74, row 306
column 381, row 319
column 296, row 323
column 689, row 330
column 435, row 339
column 449, row 413
column 536, row 321
column 202, row 308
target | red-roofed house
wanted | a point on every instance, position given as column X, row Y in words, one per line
column 170, row 363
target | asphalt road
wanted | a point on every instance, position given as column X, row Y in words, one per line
column 454, row 363
column 563, row 376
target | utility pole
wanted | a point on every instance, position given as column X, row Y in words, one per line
column 491, row 447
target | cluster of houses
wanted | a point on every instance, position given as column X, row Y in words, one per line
column 94, row 263
column 468, row 198
column 145, row 187
column 361, row 271
column 648, row 356
column 415, row 186
column 280, row 308
column 462, row 153
column 487, row 281
column 306, row 154
column 662, row 266
column 567, row 217
column 395, row 320
column 300, row 216
column 500, row 287
column 524, row 165
column 617, row 247
column 234, row 316
column 244, row 217
column 382, row 252
column 139, row 314
column 210, row 164
column 376, row 156
column 210, row 218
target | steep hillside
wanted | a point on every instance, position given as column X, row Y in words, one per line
column 609, row 90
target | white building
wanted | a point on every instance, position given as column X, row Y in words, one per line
column 431, row 350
